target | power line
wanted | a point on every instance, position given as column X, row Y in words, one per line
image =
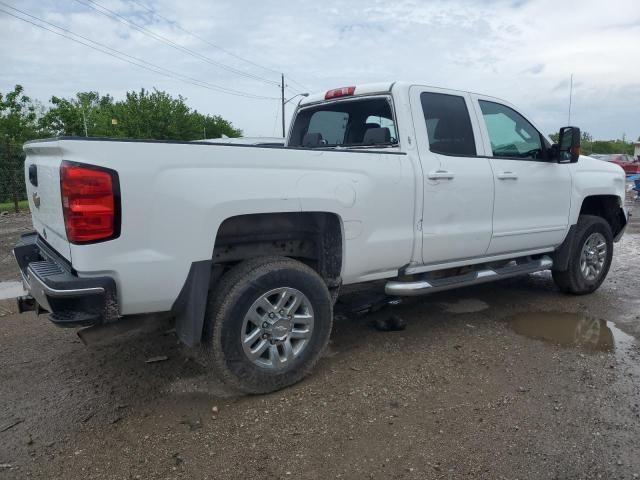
column 135, row 61
column 118, row 54
column 305, row 89
column 195, row 35
column 117, row 17
column 204, row 40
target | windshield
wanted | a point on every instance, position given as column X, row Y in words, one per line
column 347, row 123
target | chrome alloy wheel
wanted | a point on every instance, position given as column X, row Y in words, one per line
column 593, row 256
column 277, row 328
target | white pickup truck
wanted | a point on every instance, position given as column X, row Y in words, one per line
column 248, row 246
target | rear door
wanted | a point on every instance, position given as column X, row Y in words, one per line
column 42, row 177
column 457, row 180
column 532, row 193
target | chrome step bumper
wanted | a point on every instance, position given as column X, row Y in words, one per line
column 423, row 287
column 55, row 287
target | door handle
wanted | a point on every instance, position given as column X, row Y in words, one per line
column 440, row 175
column 508, row 176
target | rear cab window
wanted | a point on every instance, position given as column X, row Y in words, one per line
column 448, row 124
column 354, row 122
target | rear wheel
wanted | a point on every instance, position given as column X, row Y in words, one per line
column 267, row 322
column 590, row 259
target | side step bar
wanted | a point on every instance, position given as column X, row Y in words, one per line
column 423, row 287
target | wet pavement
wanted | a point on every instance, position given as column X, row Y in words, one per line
column 509, row 380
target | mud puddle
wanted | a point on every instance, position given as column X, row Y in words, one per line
column 571, row 330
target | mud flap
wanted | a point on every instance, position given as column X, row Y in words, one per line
column 189, row 308
column 623, row 219
column 563, row 253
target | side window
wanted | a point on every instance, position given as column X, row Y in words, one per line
column 448, row 124
column 511, row 135
column 375, row 121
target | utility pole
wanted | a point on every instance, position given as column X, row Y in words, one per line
column 284, row 102
column 282, row 93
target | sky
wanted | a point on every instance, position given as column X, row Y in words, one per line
column 523, row 51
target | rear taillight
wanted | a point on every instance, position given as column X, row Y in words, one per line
column 340, row 92
column 90, row 202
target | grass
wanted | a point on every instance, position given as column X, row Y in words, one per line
column 23, row 205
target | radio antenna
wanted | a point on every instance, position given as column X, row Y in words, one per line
column 570, row 95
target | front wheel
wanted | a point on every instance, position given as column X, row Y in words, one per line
column 267, row 324
column 591, row 255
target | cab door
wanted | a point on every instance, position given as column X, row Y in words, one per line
column 532, row 193
column 457, row 179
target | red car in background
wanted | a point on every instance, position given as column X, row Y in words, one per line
column 628, row 164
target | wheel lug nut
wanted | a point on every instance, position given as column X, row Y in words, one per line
column 265, row 325
column 281, row 312
column 272, row 315
column 264, row 336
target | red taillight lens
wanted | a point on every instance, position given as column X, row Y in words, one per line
column 339, row 92
column 88, row 203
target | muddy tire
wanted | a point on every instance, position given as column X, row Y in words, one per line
column 268, row 320
column 590, row 259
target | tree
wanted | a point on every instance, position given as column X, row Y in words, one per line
column 87, row 114
column 18, row 116
column 18, row 123
column 588, row 145
column 141, row 115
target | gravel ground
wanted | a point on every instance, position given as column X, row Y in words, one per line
column 509, row 380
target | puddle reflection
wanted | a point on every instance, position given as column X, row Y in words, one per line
column 568, row 329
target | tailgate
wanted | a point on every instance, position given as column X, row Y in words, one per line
column 42, row 177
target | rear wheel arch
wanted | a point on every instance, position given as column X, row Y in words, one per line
column 314, row 238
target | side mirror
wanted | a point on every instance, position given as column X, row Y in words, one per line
column 568, row 145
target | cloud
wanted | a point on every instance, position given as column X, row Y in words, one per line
column 523, row 51
column 535, row 69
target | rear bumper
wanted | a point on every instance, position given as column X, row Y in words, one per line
column 53, row 284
